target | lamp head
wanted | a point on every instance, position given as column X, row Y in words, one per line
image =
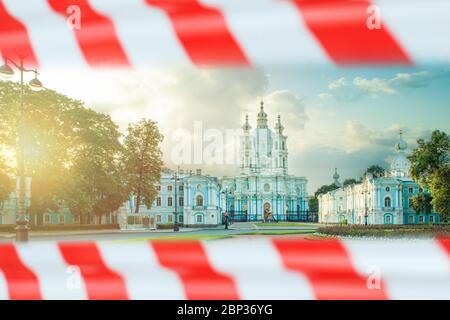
column 6, row 71
column 36, row 84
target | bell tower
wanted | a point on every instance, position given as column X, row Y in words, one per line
column 280, row 152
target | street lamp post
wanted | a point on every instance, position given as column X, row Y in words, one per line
column 366, row 209
column 175, row 225
column 6, row 71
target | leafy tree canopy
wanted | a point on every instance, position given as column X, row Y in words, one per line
column 375, row 170
column 142, row 160
column 351, row 181
column 73, row 153
column 430, row 166
column 325, row 188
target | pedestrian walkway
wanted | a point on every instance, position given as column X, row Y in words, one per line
column 242, row 225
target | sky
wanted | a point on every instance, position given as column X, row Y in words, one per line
column 345, row 118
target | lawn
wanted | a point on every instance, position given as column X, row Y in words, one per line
column 278, row 232
column 208, row 237
column 181, row 237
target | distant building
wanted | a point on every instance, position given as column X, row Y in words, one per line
column 377, row 200
column 193, row 198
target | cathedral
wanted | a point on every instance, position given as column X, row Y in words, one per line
column 377, row 200
column 262, row 190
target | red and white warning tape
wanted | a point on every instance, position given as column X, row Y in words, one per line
column 119, row 33
column 233, row 269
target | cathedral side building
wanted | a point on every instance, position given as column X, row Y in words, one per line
column 377, row 200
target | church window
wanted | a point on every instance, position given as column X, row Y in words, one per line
column 387, row 202
column 410, row 190
column 169, row 188
column 199, row 201
column 169, row 201
column 158, row 202
column 181, row 201
column 421, row 219
column 199, row 218
column 388, row 189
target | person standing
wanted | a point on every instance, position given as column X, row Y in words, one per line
column 226, row 220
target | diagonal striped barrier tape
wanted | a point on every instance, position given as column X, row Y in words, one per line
column 234, row 269
column 133, row 33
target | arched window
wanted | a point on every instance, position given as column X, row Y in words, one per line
column 387, row 202
column 284, row 162
column 199, row 201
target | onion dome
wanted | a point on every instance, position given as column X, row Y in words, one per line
column 278, row 126
column 336, row 177
column 262, row 117
column 401, row 145
column 246, row 127
column 400, row 165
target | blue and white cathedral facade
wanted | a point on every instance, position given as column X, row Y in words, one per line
column 377, row 200
column 264, row 188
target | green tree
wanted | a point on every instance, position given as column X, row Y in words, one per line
column 421, row 203
column 350, row 181
column 72, row 152
column 376, row 171
column 325, row 188
column 96, row 183
column 313, row 204
column 142, row 160
column 430, row 166
column 6, row 183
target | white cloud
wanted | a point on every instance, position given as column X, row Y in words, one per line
column 375, row 87
column 339, row 83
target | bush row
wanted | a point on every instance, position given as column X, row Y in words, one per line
column 386, row 231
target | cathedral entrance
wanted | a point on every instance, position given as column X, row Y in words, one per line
column 267, row 213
